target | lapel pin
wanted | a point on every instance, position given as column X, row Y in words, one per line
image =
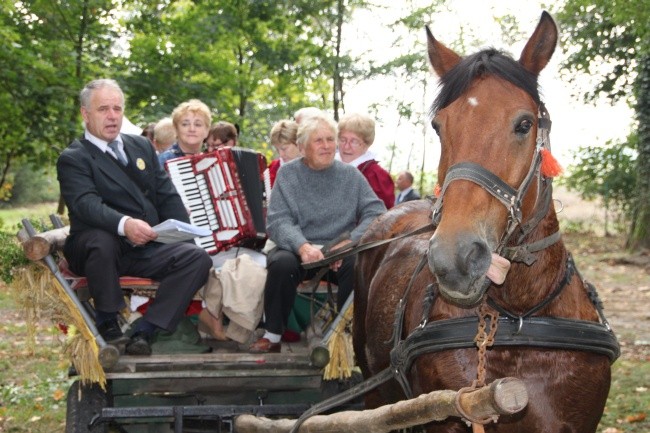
column 140, row 164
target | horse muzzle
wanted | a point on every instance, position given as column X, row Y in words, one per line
column 460, row 268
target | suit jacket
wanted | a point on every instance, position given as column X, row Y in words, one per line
column 411, row 195
column 98, row 192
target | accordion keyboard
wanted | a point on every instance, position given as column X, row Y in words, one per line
column 210, row 187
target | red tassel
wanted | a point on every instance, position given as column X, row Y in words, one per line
column 550, row 166
column 436, row 190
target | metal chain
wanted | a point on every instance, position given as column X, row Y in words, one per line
column 484, row 338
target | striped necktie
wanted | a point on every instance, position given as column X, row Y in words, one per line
column 116, row 151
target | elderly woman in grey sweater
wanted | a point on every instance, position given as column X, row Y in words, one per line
column 315, row 199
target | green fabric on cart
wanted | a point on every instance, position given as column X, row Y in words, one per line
column 185, row 339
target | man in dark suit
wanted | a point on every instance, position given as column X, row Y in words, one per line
column 115, row 191
column 405, row 185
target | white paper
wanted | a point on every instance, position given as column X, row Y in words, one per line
column 172, row 230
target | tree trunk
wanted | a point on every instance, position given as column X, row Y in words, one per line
column 640, row 233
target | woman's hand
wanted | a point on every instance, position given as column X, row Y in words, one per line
column 309, row 253
column 337, row 264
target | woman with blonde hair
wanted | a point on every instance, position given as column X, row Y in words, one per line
column 356, row 135
column 192, row 121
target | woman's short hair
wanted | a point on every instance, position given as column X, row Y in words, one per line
column 284, row 131
column 305, row 112
column 310, row 124
column 223, row 131
column 192, row 106
column 361, row 124
column 164, row 132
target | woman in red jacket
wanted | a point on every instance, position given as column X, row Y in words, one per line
column 356, row 135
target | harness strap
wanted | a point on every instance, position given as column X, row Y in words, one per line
column 354, row 248
column 545, row 196
column 479, row 175
column 568, row 274
column 547, row 332
column 524, row 253
column 398, row 326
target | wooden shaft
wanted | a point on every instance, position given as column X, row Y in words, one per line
column 503, row 396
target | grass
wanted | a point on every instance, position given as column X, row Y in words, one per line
column 33, row 383
column 629, row 398
column 11, row 217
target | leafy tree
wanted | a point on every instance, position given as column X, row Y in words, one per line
column 607, row 173
column 48, row 50
column 251, row 62
column 610, row 41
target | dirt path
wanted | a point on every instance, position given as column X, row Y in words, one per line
column 622, row 279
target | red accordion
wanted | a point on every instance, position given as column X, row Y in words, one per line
column 223, row 191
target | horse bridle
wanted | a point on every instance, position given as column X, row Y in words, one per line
column 510, row 197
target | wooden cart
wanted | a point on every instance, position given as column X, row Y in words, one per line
column 230, row 390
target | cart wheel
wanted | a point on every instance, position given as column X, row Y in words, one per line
column 83, row 404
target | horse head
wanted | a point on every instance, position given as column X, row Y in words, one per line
column 487, row 115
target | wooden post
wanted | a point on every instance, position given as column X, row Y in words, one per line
column 40, row 245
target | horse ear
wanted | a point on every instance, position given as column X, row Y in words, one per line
column 442, row 58
column 540, row 46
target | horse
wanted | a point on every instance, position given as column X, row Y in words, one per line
column 485, row 288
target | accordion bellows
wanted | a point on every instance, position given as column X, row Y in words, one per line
column 223, row 191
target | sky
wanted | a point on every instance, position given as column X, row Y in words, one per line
column 575, row 124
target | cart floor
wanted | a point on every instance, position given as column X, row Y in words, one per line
column 201, row 392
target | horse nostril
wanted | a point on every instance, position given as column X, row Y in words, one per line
column 473, row 258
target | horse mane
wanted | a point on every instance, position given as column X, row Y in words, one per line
column 486, row 62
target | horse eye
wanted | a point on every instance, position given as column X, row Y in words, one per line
column 524, row 127
column 435, row 127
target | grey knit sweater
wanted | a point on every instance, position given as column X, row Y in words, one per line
column 317, row 206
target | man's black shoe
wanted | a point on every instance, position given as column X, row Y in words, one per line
column 139, row 345
column 111, row 332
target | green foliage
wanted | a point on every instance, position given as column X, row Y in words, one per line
column 11, row 254
column 604, row 40
column 640, row 232
column 252, row 63
column 47, row 51
column 609, row 43
column 34, row 186
column 606, row 173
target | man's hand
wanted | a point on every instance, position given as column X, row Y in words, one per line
column 139, row 232
column 309, row 253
